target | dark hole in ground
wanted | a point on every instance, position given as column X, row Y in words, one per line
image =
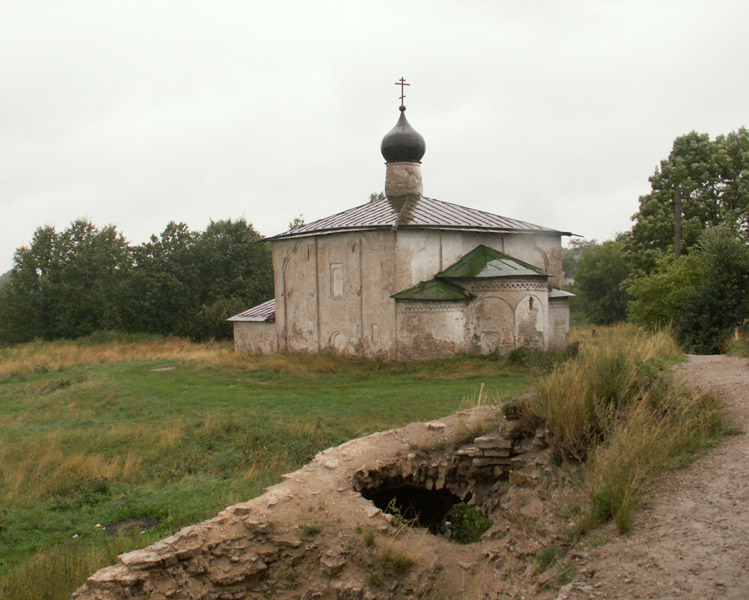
column 425, row 508
column 131, row 527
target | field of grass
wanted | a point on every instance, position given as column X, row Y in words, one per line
column 139, row 437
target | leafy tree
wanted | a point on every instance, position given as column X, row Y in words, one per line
column 296, row 222
column 166, row 282
column 655, row 299
column 703, row 296
column 235, row 264
column 572, row 253
column 713, row 176
column 599, row 282
column 375, row 196
column 85, row 279
column 66, row 284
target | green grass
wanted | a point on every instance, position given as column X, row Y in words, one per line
column 173, row 441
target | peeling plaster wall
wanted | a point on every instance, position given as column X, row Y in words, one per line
column 294, row 267
column 255, row 337
column 422, row 253
column 429, row 330
column 506, row 313
column 559, row 324
column 333, row 294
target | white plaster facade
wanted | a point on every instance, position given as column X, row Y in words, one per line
column 334, row 293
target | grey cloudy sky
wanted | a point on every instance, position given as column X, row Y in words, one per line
column 138, row 113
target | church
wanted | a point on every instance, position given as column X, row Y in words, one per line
column 409, row 277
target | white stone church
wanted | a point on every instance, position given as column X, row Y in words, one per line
column 411, row 278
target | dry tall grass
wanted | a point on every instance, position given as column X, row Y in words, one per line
column 581, row 399
column 618, row 408
column 49, row 356
column 45, row 468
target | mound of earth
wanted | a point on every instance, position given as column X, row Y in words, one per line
column 370, row 520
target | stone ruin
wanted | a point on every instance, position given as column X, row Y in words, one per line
column 305, row 537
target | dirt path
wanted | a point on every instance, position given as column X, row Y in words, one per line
column 690, row 538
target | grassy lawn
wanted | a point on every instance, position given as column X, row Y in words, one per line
column 160, row 435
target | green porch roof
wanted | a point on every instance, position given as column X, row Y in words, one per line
column 483, row 261
column 434, row 290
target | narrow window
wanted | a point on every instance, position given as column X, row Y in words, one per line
column 336, row 280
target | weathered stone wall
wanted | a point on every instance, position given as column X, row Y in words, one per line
column 255, row 337
column 559, row 323
column 333, row 293
column 429, row 330
column 506, row 313
column 295, row 276
column 472, row 472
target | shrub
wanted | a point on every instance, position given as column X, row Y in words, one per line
column 704, row 295
column 466, row 524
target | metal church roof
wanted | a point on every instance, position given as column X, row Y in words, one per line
column 483, row 261
column 265, row 312
column 416, row 213
column 557, row 293
column 434, row 290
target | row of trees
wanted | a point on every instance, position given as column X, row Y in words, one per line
column 86, row 279
column 704, row 294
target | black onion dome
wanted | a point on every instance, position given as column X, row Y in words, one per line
column 403, row 143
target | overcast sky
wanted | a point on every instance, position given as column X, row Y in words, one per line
column 137, row 113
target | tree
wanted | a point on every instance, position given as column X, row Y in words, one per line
column 189, row 283
column 713, row 176
column 85, row 279
column 66, row 284
column 236, row 268
column 572, row 253
column 296, row 222
column 655, row 299
column 599, row 282
column 703, row 296
column 166, row 282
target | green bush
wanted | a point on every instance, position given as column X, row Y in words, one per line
column 466, row 524
column 704, row 296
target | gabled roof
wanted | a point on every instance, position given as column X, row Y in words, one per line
column 265, row 312
column 416, row 213
column 434, row 290
column 483, row 261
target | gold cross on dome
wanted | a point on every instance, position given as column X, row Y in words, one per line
column 403, row 84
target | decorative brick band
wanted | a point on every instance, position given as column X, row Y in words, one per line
column 500, row 285
column 432, row 307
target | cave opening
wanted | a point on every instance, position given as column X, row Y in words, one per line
column 417, row 505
